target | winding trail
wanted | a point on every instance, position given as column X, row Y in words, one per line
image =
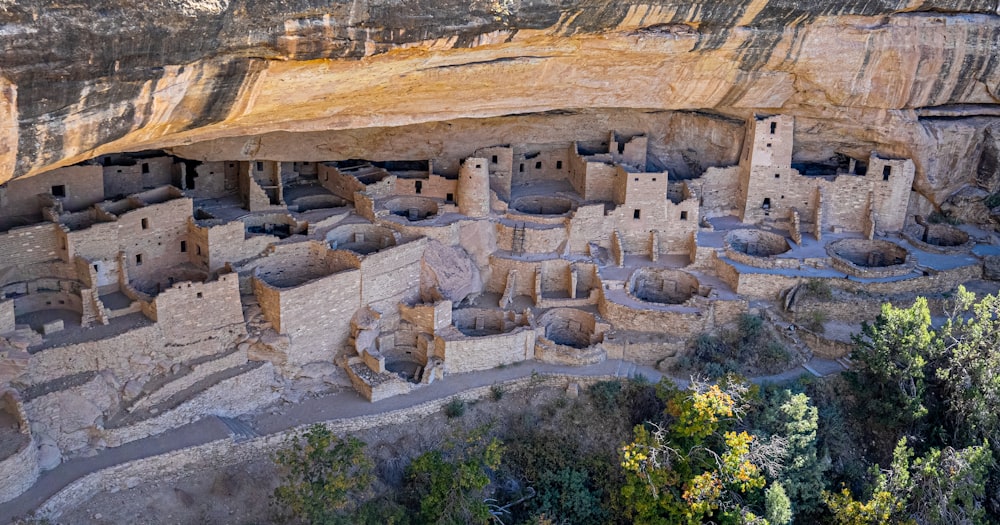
column 342, row 405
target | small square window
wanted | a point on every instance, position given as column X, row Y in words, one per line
column 200, row 295
column 777, row 175
column 138, row 259
column 145, row 224
column 558, row 164
column 450, row 197
column 231, row 165
column 59, row 190
column 636, row 214
column 637, row 179
column 538, row 165
column 260, row 165
column 769, row 144
column 479, row 166
column 145, row 167
column 494, row 159
column 684, row 215
column 654, row 179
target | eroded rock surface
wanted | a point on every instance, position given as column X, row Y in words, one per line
column 913, row 79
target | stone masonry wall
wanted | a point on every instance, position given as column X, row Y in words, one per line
column 182, row 310
column 83, row 186
column 468, row 354
column 228, row 398
column 317, row 317
column 30, row 245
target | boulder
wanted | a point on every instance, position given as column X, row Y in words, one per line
column 448, row 273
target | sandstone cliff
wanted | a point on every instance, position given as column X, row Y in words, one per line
column 280, row 80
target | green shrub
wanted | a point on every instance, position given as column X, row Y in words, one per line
column 455, row 408
column 816, row 321
column 497, row 392
column 818, row 289
column 993, row 200
column 606, row 394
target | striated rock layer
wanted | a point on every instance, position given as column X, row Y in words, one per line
column 312, row 79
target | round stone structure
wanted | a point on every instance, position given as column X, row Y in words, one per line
column 412, row 209
column 938, row 238
column 757, row 248
column 870, row 258
column 662, row 285
column 543, row 205
column 569, row 327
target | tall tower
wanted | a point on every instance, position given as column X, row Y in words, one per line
column 474, row 187
column 767, row 155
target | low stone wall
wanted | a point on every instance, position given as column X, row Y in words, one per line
column 468, row 354
column 216, row 454
column 763, row 262
column 547, row 351
column 646, row 353
column 680, row 322
column 198, row 372
column 231, row 397
column 19, row 471
column 824, row 347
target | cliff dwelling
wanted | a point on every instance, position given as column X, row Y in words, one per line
column 165, row 288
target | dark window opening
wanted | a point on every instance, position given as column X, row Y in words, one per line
column 260, row 166
column 145, row 167
column 96, row 269
column 636, row 214
column 145, row 224
column 521, row 169
column 494, row 159
column 59, row 190
column 538, row 165
column 886, row 171
column 418, row 186
column 200, row 295
column 189, row 179
column 684, row 215
column 138, row 259
column 774, row 127
column 184, row 246
column 767, row 203
column 558, row 164
column 231, row 165
column 621, row 148
column 198, row 249
column 479, row 166
column 450, row 197
column 777, row 175
column 637, row 179
column 769, row 144
column 654, row 179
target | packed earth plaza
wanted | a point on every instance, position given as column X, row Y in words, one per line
column 143, row 291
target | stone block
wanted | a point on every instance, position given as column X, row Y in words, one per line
column 52, row 327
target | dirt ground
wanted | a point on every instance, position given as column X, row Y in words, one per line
column 240, row 493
